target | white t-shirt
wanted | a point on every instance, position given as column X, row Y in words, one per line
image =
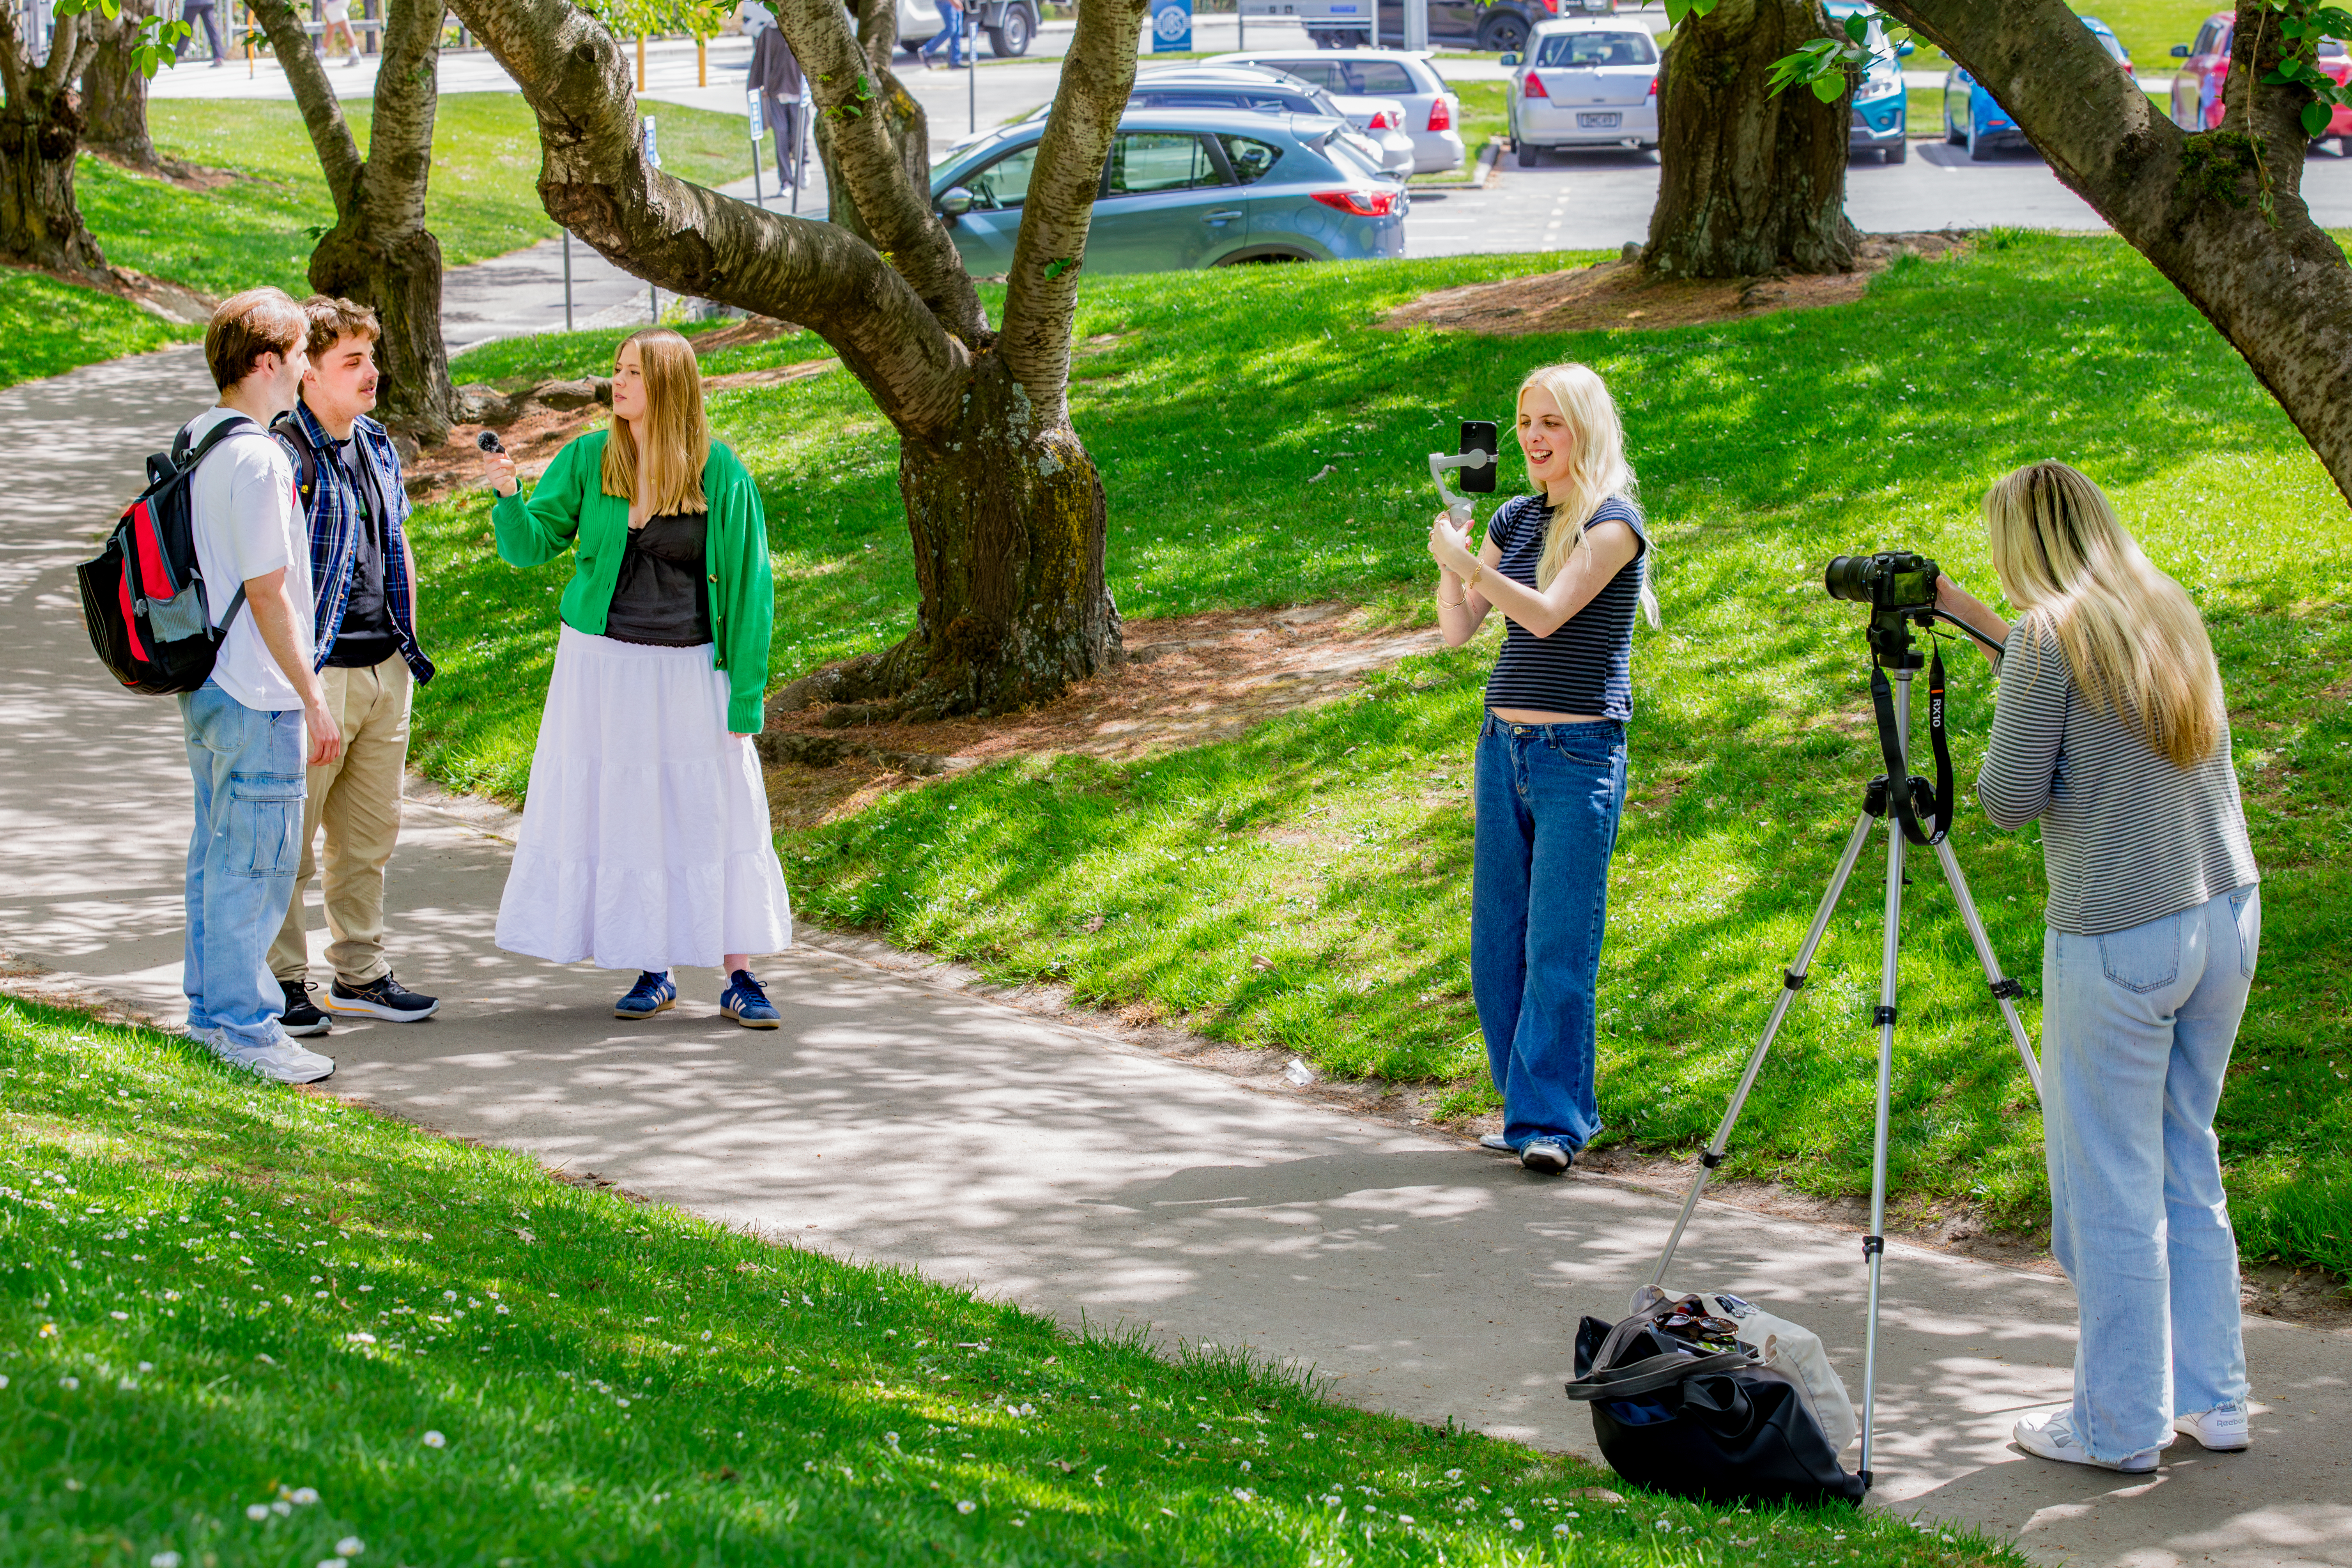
column 249, row 523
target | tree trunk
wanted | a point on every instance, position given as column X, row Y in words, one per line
column 1004, row 507
column 114, row 91
column 1748, row 182
column 379, row 252
column 902, row 120
column 40, row 133
column 2220, row 213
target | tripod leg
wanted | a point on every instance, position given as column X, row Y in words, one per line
column 2005, row 991
column 1792, row 979
column 1873, row 1245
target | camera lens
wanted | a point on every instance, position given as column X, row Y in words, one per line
column 1848, row 577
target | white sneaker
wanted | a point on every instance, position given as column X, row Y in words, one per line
column 284, row 1062
column 1496, row 1141
column 2051, row 1437
column 2223, row 1428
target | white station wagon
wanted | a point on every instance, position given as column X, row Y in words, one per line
column 1583, row 82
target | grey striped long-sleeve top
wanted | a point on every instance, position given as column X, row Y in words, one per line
column 2126, row 837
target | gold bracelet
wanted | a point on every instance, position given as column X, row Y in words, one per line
column 1456, row 605
column 1471, row 582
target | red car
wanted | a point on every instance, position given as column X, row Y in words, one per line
column 2205, row 65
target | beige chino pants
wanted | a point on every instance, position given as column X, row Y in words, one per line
column 357, row 799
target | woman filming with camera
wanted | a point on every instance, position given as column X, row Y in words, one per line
column 1566, row 566
column 2112, row 729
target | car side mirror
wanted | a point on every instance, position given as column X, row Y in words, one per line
column 1509, row 60
column 2180, row 51
column 1906, row 50
column 954, row 202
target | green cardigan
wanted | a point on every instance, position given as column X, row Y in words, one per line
column 569, row 508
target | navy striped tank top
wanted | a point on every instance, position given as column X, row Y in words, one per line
column 1586, row 666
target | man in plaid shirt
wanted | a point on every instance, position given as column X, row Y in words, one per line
column 368, row 661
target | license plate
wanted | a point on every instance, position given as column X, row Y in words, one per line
column 1596, row 122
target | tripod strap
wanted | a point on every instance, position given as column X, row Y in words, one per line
column 1900, row 783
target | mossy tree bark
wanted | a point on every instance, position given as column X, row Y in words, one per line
column 40, row 133
column 1748, row 182
column 2220, row 213
column 379, row 252
column 1003, row 503
column 114, row 89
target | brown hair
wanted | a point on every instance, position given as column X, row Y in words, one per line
column 245, row 327
column 333, row 321
column 679, row 441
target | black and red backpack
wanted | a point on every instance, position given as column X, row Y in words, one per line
column 143, row 597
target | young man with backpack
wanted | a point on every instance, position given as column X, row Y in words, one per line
column 262, row 712
column 364, row 586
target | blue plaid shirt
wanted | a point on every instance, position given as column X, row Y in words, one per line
column 334, row 529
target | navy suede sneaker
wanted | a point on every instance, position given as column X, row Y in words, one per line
column 652, row 993
column 746, row 1002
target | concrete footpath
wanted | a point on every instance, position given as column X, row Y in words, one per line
column 896, row 1120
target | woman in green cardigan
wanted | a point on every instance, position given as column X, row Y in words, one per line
column 646, row 842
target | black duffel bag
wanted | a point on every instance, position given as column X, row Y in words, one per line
column 1684, row 1409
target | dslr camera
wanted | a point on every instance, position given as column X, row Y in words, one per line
column 1895, row 580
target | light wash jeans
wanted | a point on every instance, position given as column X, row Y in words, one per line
column 242, row 854
column 2137, row 1028
column 1549, row 797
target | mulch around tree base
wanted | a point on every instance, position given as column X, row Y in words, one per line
column 1619, row 295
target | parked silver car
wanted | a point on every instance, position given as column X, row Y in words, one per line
column 1187, row 188
column 1433, row 111
column 1266, row 91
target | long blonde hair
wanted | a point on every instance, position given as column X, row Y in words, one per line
column 2135, row 643
column 678, row 439
column 1597, row 471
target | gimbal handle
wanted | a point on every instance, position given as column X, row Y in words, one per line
column 1440, row 465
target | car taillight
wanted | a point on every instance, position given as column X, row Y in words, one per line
column 1533, row 87
column 1653, row 87
column 2131, row 71
column 1383, row 120
column 1441, row 114
column 1552, row 7
column 1361, row 204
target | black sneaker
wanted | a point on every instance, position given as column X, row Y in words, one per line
column 301, row 1018
column 384, row 999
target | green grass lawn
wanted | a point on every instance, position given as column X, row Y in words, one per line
column 514, row 365
column 249, row 1326
column 1335, row 846
column 483, row 198
column 48, row 328
column 2146, row 28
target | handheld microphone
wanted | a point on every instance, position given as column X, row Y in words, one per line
column 489, row 442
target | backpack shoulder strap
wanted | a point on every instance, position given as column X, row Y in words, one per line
column 297, row 441
column 184, row 459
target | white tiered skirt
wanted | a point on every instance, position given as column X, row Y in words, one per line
column 645, row 842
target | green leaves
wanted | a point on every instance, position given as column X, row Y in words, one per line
column 1060, row 265
column 2315, row 116
column 1680, row 11
column 1819, row 64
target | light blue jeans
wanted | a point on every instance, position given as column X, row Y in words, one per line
column 1549, row 797
column 242, row 854
column 2137, row 1028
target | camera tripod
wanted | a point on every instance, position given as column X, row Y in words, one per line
column 1903, row 813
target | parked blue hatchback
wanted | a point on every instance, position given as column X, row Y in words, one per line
column 1187, row 188
column 1972, row 118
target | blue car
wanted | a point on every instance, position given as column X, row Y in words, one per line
column 1972, row 118
column 1880, row 100
column 1187, row 188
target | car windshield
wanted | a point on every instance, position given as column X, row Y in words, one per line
column 1589, row 48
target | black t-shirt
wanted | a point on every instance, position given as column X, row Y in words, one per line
column 662, row 596
column 366, row 637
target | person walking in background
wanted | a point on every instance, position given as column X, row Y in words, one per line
column 776, row 77
column 363, row 584
column 1567, row 567
column 338, row 13
column 2111, row 728
column 246, row 726
column 950, row 33
column 646, row 842
column 199, row 13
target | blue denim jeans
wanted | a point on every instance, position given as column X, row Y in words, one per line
column 2137, row 1028
column 1549, row 796
column 248, row 767
column 950, row 34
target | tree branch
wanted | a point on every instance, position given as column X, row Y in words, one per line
column 400, row 137
column 15, row 65
column 71, row 45
column 1050, row 251
column 893, row 203
column 594, row 181
column 2274, row 285
column 323, row 112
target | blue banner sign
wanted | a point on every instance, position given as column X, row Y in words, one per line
column 1171, row 26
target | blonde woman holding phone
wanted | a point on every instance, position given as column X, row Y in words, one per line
column 646, row 841
column 1568, row 568
column 2111, row 728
